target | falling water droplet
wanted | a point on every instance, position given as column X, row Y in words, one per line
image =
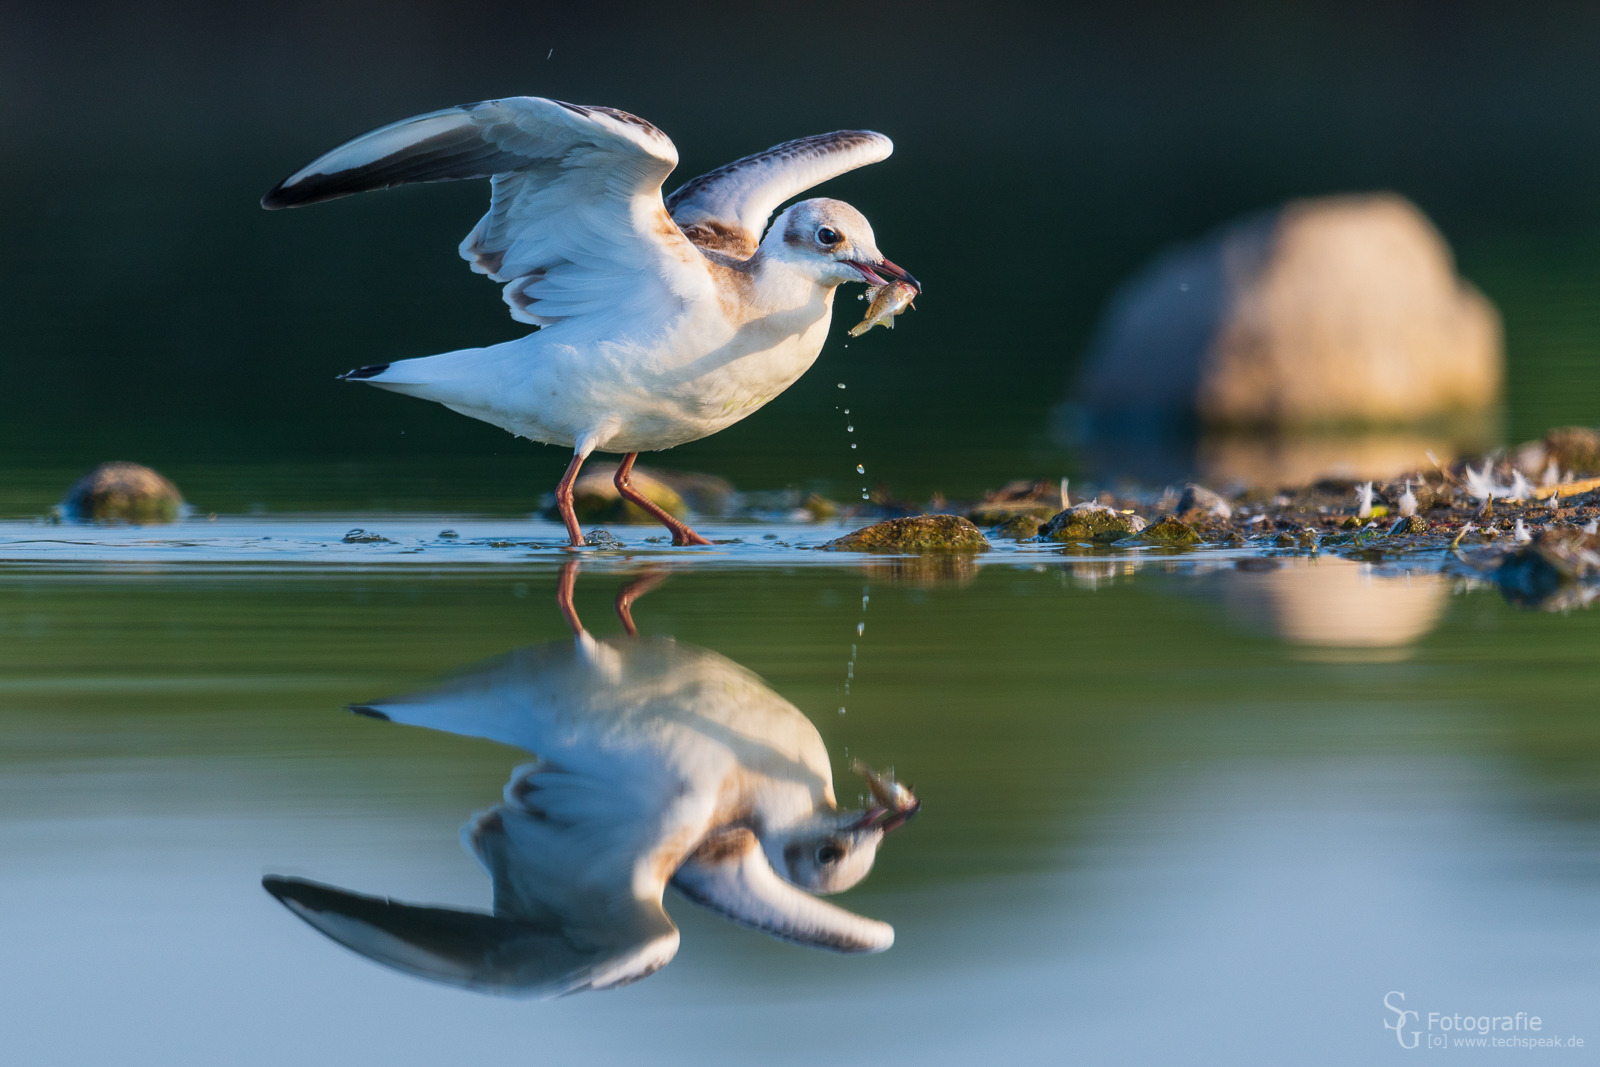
column 850, row 428
column 841, row 385
column 864, row 600
column 847, row 411
column 866, row 496
column 860, row 469
column 861, row 628
column 852, row 444
column 841, row 711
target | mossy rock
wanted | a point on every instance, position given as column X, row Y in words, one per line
column 122, row 492
column 1018, row 528
column 1168, row 531
column 1091, row 522
column 918, row 533
column 1000, row 514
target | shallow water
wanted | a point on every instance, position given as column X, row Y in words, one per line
column 1183, row 809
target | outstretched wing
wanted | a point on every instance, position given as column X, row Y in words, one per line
column 576, row 224
column 472, row 949
column 727, row 209
column 730, row 875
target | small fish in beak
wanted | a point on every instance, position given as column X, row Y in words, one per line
column 894, row 802
column 888, row 300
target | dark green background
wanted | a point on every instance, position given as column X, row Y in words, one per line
column 152, row 312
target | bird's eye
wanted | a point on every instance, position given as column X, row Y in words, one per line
column 828, row 235
column 829, row 854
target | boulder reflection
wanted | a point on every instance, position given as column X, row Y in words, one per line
column 1345, row 608
column 656, row 763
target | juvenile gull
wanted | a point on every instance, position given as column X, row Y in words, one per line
column 662, row 321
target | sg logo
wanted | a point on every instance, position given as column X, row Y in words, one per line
column 1399, row 1024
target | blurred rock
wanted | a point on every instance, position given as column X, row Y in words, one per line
column 1018, row 528
column 122, row 492
column 1538, row 571
column 1039, row 499
column 1334, row 310
column 1202, row 502
column 819, row 507
column 918, row 533
column 1574, row 449
column 1091, row 522
column 595, row 497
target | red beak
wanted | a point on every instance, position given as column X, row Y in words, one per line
column 879, row 273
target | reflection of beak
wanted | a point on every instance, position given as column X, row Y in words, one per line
column 879, row 273
column 895, row 803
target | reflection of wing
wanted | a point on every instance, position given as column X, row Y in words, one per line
column 728, row 208
column 589, row 704
column 730, row 875
column 576, row 224
column 488, row 953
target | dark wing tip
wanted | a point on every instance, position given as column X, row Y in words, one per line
column 371, row 370
column 367, row 710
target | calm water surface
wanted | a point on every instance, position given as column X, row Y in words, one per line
column 1171, row 813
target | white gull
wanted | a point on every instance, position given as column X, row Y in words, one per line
column 662, row 321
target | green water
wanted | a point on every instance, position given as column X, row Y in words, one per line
column 1146, row 793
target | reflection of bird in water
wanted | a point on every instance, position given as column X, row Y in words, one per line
column 664, row 321
column 656, row 762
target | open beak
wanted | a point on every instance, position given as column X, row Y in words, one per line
column 881, row 272
column 894, row 803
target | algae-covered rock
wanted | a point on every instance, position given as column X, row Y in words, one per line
column 1018, row 528
column 122, row 492
column 1411, row 524
column 1168, row 531
column 1039, row 498
column 1091, row 522
column 999, row 514
column 917, row 533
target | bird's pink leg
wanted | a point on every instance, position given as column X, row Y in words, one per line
column 564, row 587
column 681, row 534
column 633, row 591
column 564, row 500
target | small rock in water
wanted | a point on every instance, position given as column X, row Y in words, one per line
column 1018, row 528
column 918, row 533
column 1091, row 522
column 122, row 492
column 602, row 538
column 1168, row 531
column 448, row 534
column 358, row 536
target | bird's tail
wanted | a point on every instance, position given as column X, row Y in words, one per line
column 450, row 378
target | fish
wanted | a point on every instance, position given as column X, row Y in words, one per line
column 887, row 302
column 885, row 790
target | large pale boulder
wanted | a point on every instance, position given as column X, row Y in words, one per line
column 1338, row 310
